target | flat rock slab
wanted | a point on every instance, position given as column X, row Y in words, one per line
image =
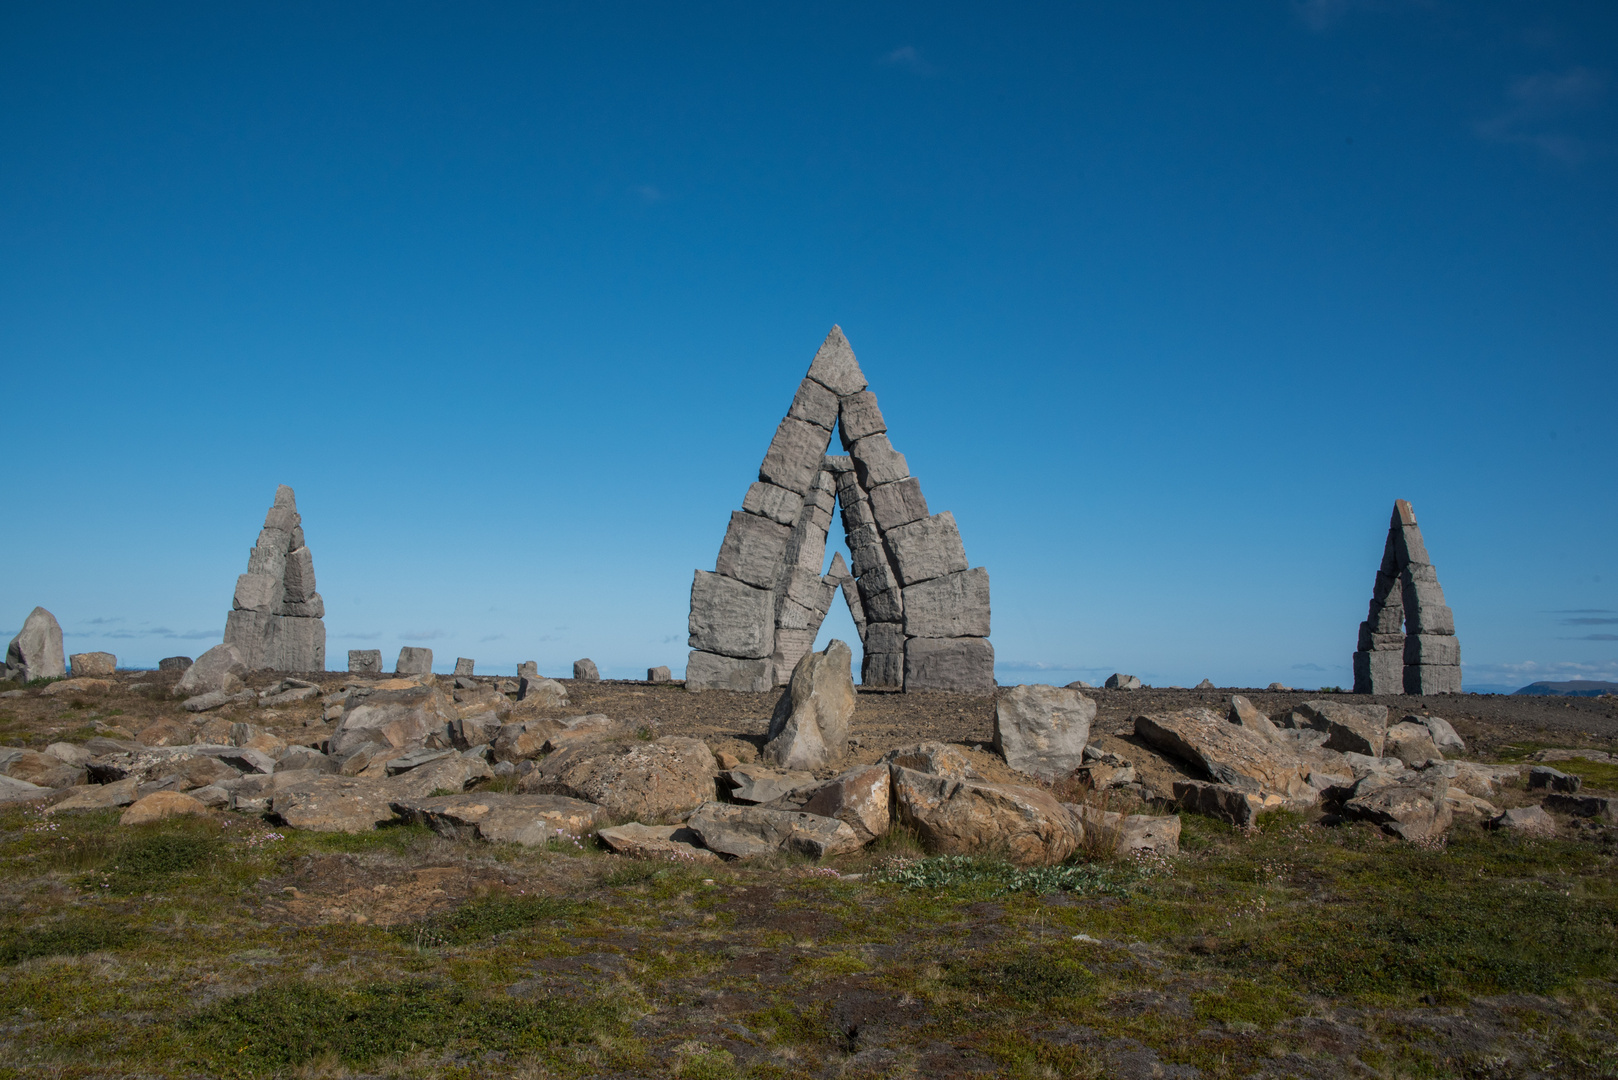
column 99, row 796
column 1230, row 754
column 1223, row 802
column 1528, row 820
column 13, row 790
column 344, row 804
column 758, row 784
column 159, row 805
column 959, row 817
column 674, row 843
column 1413, row 808
column 1362, row 729
column 667, row 778
column 1127, row 833
column 748, row 831
column 860, row 798
column 529, row 820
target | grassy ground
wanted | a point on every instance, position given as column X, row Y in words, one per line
column 220, row 947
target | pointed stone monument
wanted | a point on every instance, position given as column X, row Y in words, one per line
column 1407, row 642
column 922, row 612
column 277, row 617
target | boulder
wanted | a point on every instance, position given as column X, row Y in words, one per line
column 306, row 757
column 809, row 729
column 1080, row 684
column 961, row 817
column 959, row 664
column 1590, row 806
column 523, row 739
column 1545, row 778
column 528, row 820
column 1413, row 808
column 36, row 651
column 1042, row 730
column 585, row 671
column 464, row 666
column 404, row 718
column 758, row 784
column 174, row 663
column 69, row 753
column 159, row 805
column 1233, row 805
column 1205, row 684
column 1444, row 736
column 1528, row 820
column 450, row 773
column 1245, row 714
column 1358, row 728
column 1411, row 744
column 413, row 760
column 92, row 663
column 663, row 779
column 365, row 661
column 711, row 671
column 165, row 732
column 1230, row 754
column 582, row 730
column 1478, row 779
column 219, row 670
column 14, row 790
column 84, row 685
column 414, row 661
column 42, row 770
column 747, row 831
column 1128, row 833
column 1119, row 681
column 99, row 796
column 675, row 843
column 659, row 674
column 333, row 804
column 933, row 758
column 860, row 798
column 476, row 730
column 534, row 692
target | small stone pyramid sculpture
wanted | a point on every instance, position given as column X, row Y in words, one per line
column 1407, row 643
column 922, row 612
column 277, row 620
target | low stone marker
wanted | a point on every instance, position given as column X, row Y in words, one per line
column 365, row 661
column 659, row 675
column 585, row 671
column 528, row 669
column 414, row 661
column 463, row 666
column 174, row 663
column 1120, row 681
column 92, row 663
column 810, row 727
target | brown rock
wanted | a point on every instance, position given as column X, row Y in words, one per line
column 960, row 817
column 99, row 796
column 1413, row 808
column 403, row 718
column 1528, row 820
column 663, row 779
column 1230, row 754
column 810, row 727
column 1359, row 729
column 166, row 732
column 1222, row 801
column 42, row 770
column 1125, row 833
column 859, row 798
column 1411, row 743
column 934, row 758
column 743, row 832
column 726, row 761
column 1245, row 714
column 78, row 686
column 326, row 803
column 528, row 820
column 524, row 739
column 675, row 843
column 159, row 805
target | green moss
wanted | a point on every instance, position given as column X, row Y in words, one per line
column 482, row 919
column 1244, row 1002
column 78, row 934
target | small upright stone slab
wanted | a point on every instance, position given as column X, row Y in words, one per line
column 463, row 666
column 585, row 671
column 528, row 669
column 175, row 663
column 36, row 651
column 659, row 674
column 414, row 661
column 92, row 663
column 365, row 661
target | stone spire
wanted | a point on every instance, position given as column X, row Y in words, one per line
column 277, row 619
column 1407, row 642
column 758, row 612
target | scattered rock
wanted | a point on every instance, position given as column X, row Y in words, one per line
column 165, row 732
column 99, row 796
column 78, row 686
column 401, row 719
column 1358, row 728
column 1125, row 833
column 1223, row 802
column 1042, row 730
column 14, row 790
column 746, row 831
column 414, row 660
column 414, row 760
column 1231, row 754
column 1528, row 820
column 1590, row 806
column 529, row 820
column 1281, row 687
column 1245, row 714
column 477, row 730
column 1411, row 744
column 810, row 727
column 523, row 739
column 332, row 804
column 1205, row 684
column 1479, row 780
column 1413, row 808
column 306, row 757
column 159, row 805
column 219, row 670
column 92, row 663
column 69, row 753
column 1543, row 777
column 1444, row 736
column 859, row 798
column 663, row 779
column 538, row 693
column 1079, row 684
column 727, row 760
column 933, row 758
column 1120, row 681
column 758, row 784
column 961, row 817
column 659, row 674
column 365, row 661
column 673, row 842
column 42, row 770
column 585, row 671
column 36, row 651
column 174, row 663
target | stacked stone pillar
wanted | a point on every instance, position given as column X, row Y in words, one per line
column 759, row 610
column 277, row 617
column 1407, row 643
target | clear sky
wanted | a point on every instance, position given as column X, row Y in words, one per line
column 1167, row 303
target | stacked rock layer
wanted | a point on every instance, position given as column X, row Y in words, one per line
column 921, row 610
column 1407, row 643
column 277, row 619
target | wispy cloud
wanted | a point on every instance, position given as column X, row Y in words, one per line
column 907, row 58
column 421, row 635
column 1594, row 637
column 491, row 637
column 1529, row 671
column 1542, row 108
column 374, row 635
column 1309, row 667
column 1589, row 620
column 648, row 193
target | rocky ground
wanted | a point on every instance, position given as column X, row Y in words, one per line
column 226, row 944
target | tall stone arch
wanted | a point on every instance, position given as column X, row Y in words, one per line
column 922, row 611
column 1407, row 642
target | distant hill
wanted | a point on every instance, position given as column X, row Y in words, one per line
column 1576, row 688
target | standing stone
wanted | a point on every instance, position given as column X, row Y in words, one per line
column 365, row 661
column 36, row 651
column 1407, row 643
column 711, row 671
column 730, row 617
column 585, row 671
column 277, row 618
column 92, row 663
column 463, row 666
column 174, row 663
column 414, row 661
column 964, row 664
column 660, row 674
column 1042, row 730
column 810, row 727
column 528, row 669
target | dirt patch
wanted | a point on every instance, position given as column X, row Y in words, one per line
column 328, row 889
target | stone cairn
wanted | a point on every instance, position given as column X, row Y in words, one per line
column 1407, row 643
column 921, row 611
column 277, row 621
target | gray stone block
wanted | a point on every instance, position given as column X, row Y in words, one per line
column 838, row 464
column 884, row 637
column 790, row 647
column 860, row 418
column 257, row 592
column 312, row 608
column 1371, row 641
column 898, row 503
column 960, row 664
column 528, row 669
column 776, row 503
column 866, row 550
column 793, row 459
column 1388, row 618
column 585, row 671
column 754, row 550
column 955, row 605
column 809, row 590
column 805, row 549
column 365, row 661
column 1420, row 594
column 274, row 541
column 885, row 605
column 814, row 403
column 659, row 674
column 927, row 549
column 731, row 618
column 839, row 572
column 1409, row 546
column 414, row 661
column 857, row 514
column 174, row 663
column 1441, row 649
column 1432, row 679
column 92, row 664
column 300, row 575
column 1430, row 619
column 794, row 616
column 877, row 462
column 709, row 671
column 276, row 642
column 463, row 665
column 267, row 561
column 281, row 518
column 1379, row 672
column 885, row 671
column 835, row 367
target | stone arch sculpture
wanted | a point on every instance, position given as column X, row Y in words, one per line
column 277, row 618
column 1407, row 643
column 921, row 610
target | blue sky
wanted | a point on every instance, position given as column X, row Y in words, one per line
column 1167, row 303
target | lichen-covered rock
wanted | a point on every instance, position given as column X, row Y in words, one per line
column 675, row 843
column 528, row 820
column 811, row 723
column 400, row 719
column 933, row 758
column 1042, row 730
column 159, row 805
column 1361, row 729
column 653, row 781
column 1231, row 754
column 1411, row 744
column 1413, row 808
column 962, row 817
column 220, row 669
column 1127, row 833
column 1528, row 820
column 36, row 651
column 747, row 831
